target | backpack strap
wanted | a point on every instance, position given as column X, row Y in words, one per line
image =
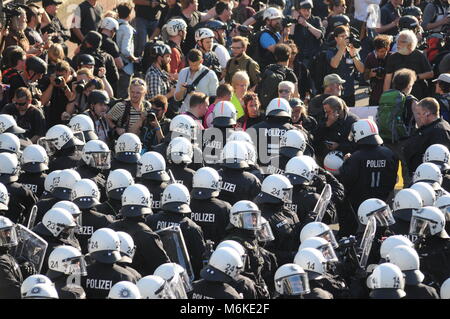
column 126, row 115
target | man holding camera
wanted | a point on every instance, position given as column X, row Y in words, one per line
column 345, row 61
column 195, row 77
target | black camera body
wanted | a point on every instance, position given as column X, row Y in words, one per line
column 59, row 80
column 353, row 39
column 380, row 71
column 288, row 21
column 151, row 116
column 81, row 85
column 190, row 88
column 347, row 242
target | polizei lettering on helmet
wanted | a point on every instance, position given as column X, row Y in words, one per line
column 376, row 164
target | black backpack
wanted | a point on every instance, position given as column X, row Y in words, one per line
column 320, row 67
column 267, row 88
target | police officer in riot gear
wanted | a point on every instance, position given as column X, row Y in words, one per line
column 136, row 203
column 34, row 163
column 67, row 263
column 48, row 184
column 215, row 137
column 152, row 174
column 443, row 203
column 124, row 290
column 61, row 145
column 407, row 259
column 371, row 171
column 291, row 282
column 223, row 266
column 390, row 243
column 82, row 123
column 4, row 200
column 177, row 279
column 431, row 174
column 9, row 143
column 127, row 250
column 440, row 155
column 10, row 274
column 31, row 281
column 154, row 287
column 127, row 153
column 276, row 191
column 237, row 184
column 61, row 189
column 21, row 198
column 104, row 273
column 432, row 245
column 176, row 212
column 386, row 282
column 86, row 196
column 252, row 160
column 95, row 163
column 57, row 228
column 179, row 156
column 292, row 144
column 208, row 211
column 118, row 180
column 405, row 202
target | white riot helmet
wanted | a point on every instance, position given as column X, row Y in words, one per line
column 245, row 215
column 321, row 244
column 128, row 148
column 85, row 194
column 177, row 278
column 443, row 203
column 240, row 136
column 236, row 246
column 152, row 166
column 109, row 23
column 224, row 114
column 387, row 276
column 407, row 199
column 183, row 125
column 279, row 107
column 124, row 290
column 136, row 201
column 318, row 229
column 59, row 222
column 96, row 154
column 9, row 169
column 60, row 137
column 8, row 124
column 265, row 234
column 393, row 241
column 272, row 13
column 299, row 170
column 275, row 189
column 333, row 162
column 426, row 192
column 428, row 221
column 84, row 124
column 174, row 26
column 374, row 207
column 252, row 154
column 312, row 162
column 428, row 173
column 224, row 265
column 67, row 260
column 4, row 197
column 176, row 198
column 312, row 261
column 31, row 281
column 180, row 150
column 154, row 287
column 73, row 209
column 64, row 182
column 42, row 291
column 439, row 155
column 118, row 180
column 292, row 143
column 203, row 33
column 445, row 289
column 206, row 183
column 8, row 234
column 127, row 247
column 104, row 246
column 34, row 159
column 407, row 259
column 9, row 143
column 291, row 280
column 234, row 155
column 49, row 180
column 365, row 132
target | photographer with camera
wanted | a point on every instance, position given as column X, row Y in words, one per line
column 390, row 17
column 196, row 77
column 375, row 66
column 155, row 126
column 345, row 61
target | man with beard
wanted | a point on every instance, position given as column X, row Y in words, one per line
column 219, row 28
column 157, row 77
column 269, row 36
column 241, row 62
column 176, row 29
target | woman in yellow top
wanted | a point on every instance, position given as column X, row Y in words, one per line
column 240, row 83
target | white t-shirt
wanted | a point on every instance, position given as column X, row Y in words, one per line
column 222, row 55
column 361, row 8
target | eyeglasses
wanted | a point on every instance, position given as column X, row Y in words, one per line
column 237, row 48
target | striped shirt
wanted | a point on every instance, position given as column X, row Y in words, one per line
column 118, row 109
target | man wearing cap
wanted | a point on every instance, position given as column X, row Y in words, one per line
column 332, row 84
column 443, row 95
column 86, row 18
column 269, row 36
column 108, row 29
column 60, row 33
column 308, row 33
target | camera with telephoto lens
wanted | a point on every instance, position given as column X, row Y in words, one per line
column 81, row 85
column 353, row 39
column 59, row 80
column 380, row 72
column 151, row 116
column 190, row 88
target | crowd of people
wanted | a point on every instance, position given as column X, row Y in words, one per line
column 208, row 150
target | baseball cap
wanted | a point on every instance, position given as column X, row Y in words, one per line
column 332, row 79
column 444, row 77
column 46, row 3
column 307, row 4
